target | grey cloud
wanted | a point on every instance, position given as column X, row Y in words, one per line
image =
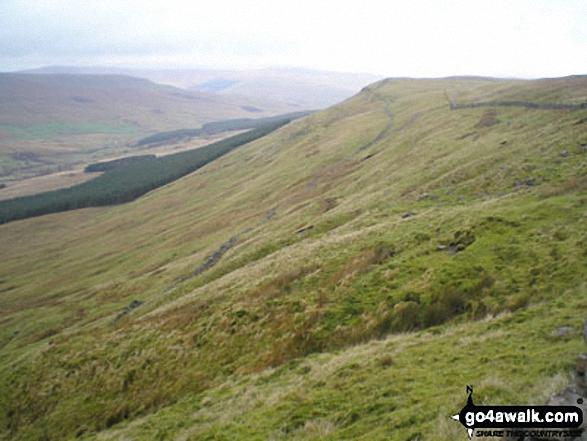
column 116, row 29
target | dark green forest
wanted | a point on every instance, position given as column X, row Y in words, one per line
column 110, row 165
column 126, row 181
column 213, row 128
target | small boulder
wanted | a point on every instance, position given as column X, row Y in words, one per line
column 135, row 304
column 305, row 229
column 531, row 182
column 581, row 364
column 559, row 332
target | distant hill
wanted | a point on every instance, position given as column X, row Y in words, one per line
column 299, row 87
column 29, row 99
column 49, row 122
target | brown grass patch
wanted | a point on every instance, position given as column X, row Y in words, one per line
column 327, row 204
column 488, row 119
column 360, row 265
column 282, row 283
column 571, row 185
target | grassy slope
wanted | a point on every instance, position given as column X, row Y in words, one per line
column 49, row 122
column 302, row 335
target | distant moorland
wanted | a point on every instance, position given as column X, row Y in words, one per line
column 307, row 89
column 128, row 178
column 54, row 123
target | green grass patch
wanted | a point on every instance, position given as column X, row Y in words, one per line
column 65, row 128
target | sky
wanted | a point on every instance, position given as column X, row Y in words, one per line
column 392, row 38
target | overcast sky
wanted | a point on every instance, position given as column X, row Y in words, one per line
column 421, row 38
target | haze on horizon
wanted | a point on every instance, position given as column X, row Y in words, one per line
column 418, row 38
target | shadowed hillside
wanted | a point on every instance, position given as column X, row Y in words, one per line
column 343, row 277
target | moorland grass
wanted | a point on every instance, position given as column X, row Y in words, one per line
column 369, row 324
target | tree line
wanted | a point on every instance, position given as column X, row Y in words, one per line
column 126, row 181
column 213, row 128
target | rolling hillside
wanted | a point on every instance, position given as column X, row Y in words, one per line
column 341, row 278
column 308, row 89
column 50, row 123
